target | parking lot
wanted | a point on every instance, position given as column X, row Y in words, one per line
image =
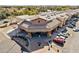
column 68, row 45
column 72, row 43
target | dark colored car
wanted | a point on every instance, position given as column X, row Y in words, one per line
column 71, row 25
column 63, row 30
column 74, row 19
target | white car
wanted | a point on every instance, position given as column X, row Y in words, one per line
column 76, row 29
column 62, row 37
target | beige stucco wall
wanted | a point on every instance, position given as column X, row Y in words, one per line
column 61, row 21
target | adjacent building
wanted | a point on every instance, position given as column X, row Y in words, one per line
column 44, row 22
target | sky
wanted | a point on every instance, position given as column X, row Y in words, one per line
column 39, row 2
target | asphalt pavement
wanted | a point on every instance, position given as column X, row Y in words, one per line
column 72, row 43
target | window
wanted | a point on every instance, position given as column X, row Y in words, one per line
column 38, row 21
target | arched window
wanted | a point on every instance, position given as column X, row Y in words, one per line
column 38, row 21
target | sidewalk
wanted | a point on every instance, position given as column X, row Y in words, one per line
column 6, row 44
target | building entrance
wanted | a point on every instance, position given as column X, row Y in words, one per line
column 39, row 34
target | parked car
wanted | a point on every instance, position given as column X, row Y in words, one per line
column 63, row 35
column 71, row 25
column 75, row 29
column 74, row 19
column 66, row 34
column 59, row 40
column 63, row 30
column 60, row 34
column 73, row 22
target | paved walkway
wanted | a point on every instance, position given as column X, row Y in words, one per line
column 6, row 44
